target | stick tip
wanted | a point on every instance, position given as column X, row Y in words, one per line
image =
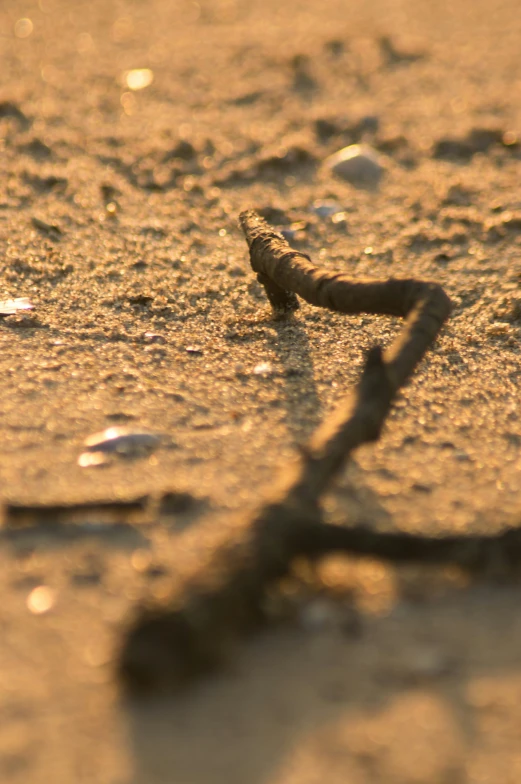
column 246, row 217
column 250, row 223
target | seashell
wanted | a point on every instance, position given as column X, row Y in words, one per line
column 359, row 164
column 9, row 307
column 122, row 441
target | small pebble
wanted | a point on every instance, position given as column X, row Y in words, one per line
column 153, row 337
column 359, row 164
column 339, row 219
column 325, row 208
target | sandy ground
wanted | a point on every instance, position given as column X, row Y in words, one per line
column 148, row 316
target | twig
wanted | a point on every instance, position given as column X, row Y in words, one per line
column 165, row 647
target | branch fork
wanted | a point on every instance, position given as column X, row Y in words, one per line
column 167, row 646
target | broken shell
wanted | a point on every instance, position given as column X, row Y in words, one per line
column 9, row 307
column 123, row 441
column 263, row 369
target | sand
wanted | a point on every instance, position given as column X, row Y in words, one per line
column 118, row 220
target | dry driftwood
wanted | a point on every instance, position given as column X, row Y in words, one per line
column 166, row 646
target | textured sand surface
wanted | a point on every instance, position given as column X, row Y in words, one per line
column 147, row 315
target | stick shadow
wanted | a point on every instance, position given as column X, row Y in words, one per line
column 301, row 399
column 301, row 705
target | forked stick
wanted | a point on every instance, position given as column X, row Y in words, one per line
column 166, row 646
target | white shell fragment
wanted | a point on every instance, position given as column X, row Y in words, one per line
column 121, row 441
column 359, row 164
column 263, row 369
column 9, row 307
